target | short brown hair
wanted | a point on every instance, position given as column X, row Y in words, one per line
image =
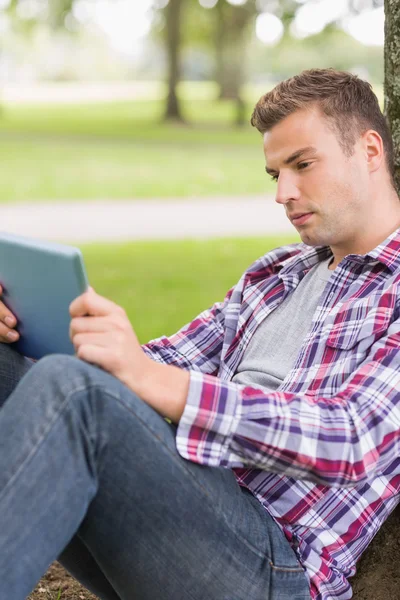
column 348, row 102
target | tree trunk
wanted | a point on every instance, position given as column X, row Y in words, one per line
column 378, row 571
column 230, row 51
column 392, row 77
column 173, row 13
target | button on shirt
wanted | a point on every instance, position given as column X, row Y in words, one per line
column 322, row 451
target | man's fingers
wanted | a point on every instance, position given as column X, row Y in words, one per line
column 8, row 336
column 95, row 339
column 92, row 304
column 93, row 354
column 92, row 325
column 7, row 323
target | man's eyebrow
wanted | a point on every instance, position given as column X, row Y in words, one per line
column 295, row 156
column 299, row 153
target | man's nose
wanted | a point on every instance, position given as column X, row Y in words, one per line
column 287, row 189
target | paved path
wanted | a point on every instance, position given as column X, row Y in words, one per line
column 150, row 219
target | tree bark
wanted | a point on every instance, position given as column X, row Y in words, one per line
column 392, row 77
column 173, row 13
column 378, row 573
column 230, row 52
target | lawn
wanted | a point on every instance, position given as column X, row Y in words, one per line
column 123, row 150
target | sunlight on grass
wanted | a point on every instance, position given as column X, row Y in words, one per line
column 122, row 150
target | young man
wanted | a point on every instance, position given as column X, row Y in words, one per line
column 282, row 459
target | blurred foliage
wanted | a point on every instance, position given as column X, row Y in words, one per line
column 206, row 39
column 333, row 47
column 219, row 43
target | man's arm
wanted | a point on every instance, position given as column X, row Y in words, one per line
column 333, row 441
column 102, row 334
column 336, row 440
column 195, row 346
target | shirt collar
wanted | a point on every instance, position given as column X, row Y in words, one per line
column 387, row 252
column 307, row 258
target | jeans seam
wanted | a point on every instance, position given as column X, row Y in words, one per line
column 298, row 569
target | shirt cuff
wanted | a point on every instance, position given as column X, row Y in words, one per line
column 209, row 420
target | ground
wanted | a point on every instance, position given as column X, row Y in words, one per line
column 57, row 584
column 378, row 576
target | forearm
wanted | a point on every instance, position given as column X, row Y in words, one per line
column 164, row 388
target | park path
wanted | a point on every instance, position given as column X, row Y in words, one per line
column 116, row 220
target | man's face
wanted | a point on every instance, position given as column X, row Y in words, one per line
column 317, row 182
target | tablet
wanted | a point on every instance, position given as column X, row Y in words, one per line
column 40, row 280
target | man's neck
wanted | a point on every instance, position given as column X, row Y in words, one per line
column 373, row 241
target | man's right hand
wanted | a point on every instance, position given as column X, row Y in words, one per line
column 7, row 328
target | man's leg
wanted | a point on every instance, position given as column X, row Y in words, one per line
column 76, row 558
column 81, row 453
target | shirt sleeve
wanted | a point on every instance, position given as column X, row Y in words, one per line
column 335, row 441
column 198, row 345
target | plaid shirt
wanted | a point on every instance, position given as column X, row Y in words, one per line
column 322, row 452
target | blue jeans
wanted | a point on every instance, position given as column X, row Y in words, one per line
column 90, row 474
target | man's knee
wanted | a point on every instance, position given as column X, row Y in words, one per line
column 64, row 372
column 58, row 368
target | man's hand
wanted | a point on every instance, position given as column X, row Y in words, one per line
column 8, row 334
column 103, row 335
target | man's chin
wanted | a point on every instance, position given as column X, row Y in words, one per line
column 312, row 240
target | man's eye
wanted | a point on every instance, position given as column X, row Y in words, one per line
column 274, row 178
column 303, row 165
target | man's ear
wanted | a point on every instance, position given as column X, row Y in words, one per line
column 374, row 152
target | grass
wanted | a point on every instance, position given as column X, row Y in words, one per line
column 163, row 285
column 122, row 150
column 50, row 170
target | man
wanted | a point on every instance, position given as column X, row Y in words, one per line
column 282, row 458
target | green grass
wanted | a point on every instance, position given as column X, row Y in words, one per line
column 123, row 150
column 163, row 285
column 66, row 170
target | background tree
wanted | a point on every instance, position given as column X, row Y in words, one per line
column 392, row 76
column 173, row 39
column 232, row 34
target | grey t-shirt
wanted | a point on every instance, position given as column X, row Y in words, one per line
column 277, row 341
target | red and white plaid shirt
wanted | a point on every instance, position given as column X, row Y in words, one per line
column 321, row 453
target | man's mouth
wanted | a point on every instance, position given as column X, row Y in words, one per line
column 300, row 218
